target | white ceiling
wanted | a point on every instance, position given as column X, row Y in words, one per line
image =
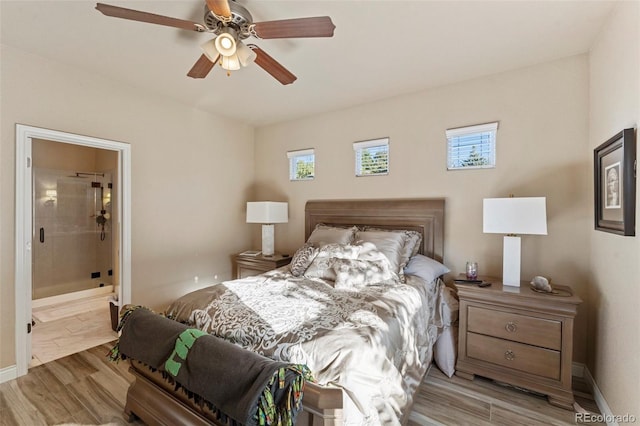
column 380, row 48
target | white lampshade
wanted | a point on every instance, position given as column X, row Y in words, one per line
column 245, row 54
column 231, row 63
column 210, row 50
column 267, row 212
column 522, row 215
column 516, row 215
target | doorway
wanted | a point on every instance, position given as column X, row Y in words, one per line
column 73, row 256
column 108, row 220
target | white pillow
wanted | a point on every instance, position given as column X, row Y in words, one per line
column 426, row 268
column 445, row 350
column 449, row 306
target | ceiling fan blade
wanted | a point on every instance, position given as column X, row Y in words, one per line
column 219, row 7
column 320, row 26
column 201, row 68
column 152, row 18
column 272, row 66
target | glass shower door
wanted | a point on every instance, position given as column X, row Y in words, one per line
column 72, row 247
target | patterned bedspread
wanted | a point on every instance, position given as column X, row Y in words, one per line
column 375, row 343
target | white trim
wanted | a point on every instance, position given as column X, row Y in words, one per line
column 300, row 153
column 8, row 373
column 23, row 233
column 599, row 399
column 478, row 128
column 370, row 143
column 24, row 225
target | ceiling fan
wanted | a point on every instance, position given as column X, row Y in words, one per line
column 231, row 23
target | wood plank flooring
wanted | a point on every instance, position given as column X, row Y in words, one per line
column 86, row 388
column 70, row 327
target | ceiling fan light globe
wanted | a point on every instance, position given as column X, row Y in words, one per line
column 245, row 54
column 225, row 44
column 210, row 51
column 231, row 63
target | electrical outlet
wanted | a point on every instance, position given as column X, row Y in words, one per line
column 215, row 277
column 195, row 279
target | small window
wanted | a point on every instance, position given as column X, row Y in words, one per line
column 301, row 164
column 372, row 157
column 472, row 147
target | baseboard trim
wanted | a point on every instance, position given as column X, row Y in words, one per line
column 8, row 373
column 598, row 397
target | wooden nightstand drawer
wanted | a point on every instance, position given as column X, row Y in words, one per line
column 520, row 328
column 531, row 359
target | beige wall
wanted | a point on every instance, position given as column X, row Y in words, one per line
column 191, row 176
column 615, row 260
column 543, row 113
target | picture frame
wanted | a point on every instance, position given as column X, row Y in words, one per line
column 614, row 171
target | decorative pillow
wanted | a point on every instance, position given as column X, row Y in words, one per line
column 324, row 234
column 320, row 267
column 412, row 241
column 353, row 273
column 303, row 258
column 445, row 350
column 391, row 244
column 426, row 268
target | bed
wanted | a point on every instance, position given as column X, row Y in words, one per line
column 344, row 394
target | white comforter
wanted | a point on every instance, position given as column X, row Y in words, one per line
column 375, row 342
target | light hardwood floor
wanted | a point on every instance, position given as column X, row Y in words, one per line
column 66, row 328
column 86, row 388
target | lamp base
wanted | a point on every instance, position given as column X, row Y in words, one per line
column 268, row 239
column 511, row 261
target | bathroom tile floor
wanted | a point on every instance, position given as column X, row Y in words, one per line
column 70, row 327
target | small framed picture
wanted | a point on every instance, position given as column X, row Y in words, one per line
column 614, row 170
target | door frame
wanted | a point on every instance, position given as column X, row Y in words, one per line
column 24, row 225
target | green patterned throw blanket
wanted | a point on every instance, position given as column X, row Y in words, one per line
column 235, row 383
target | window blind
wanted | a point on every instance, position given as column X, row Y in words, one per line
column 471, row 146
column 372, row 157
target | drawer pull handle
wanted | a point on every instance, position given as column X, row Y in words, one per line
column 511, row 327
column 509, row 355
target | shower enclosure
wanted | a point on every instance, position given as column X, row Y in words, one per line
column 72, row 243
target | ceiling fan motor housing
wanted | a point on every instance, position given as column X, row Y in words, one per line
column 240, row 20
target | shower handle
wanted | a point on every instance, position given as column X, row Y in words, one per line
column 42, row 235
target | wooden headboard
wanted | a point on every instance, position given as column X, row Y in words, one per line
column 422, row 215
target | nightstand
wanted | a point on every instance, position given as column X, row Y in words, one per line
column 518, row 336
column 246, row 266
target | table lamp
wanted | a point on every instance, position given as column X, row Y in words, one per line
column 511, row 216
column 267, row 213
